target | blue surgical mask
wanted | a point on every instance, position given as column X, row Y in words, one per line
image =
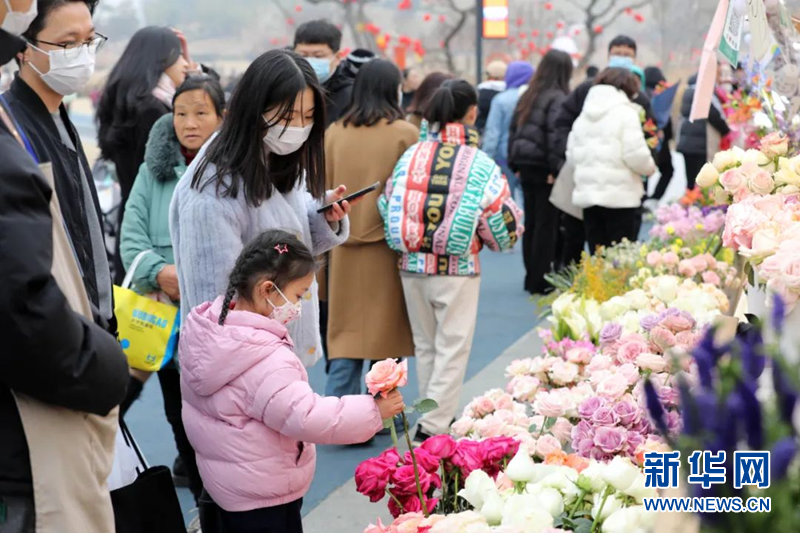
column 620, row 62
column 321, row 66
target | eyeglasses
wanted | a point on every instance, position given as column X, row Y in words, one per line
column 72, row 50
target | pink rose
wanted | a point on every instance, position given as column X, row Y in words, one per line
column 699, row 263
column 686, row 268
column 599, row 362
column 651, row 361
column 561, row 429
column 411, row 504
column 774, row 145
column 612, row 387
column 482, row 406
column 550, row 404
column 504, row 403
column 605, row 416
column 426, row 461
column 671, row 258
column 662, row 339
column 441, row 446
column 629, row 372
column 587, row 408
column 761, row 182
column 610, row 439
column 628, row 412
column 629, row 351
column 547, row 444
column 491, row 426
column 468, row 457
column 408, row 523
column 654, row 258
column 387, row 375
column 676, row 324
column 380, row 528
column 732, row 180
column 563, row 373
column 373, row 474
column 462, row 426
column 712, row 278
column 687, row 339
column 496, row 449
column 404, row 481
column 580, row 355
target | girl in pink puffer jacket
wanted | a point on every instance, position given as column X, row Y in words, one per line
column 249, row 411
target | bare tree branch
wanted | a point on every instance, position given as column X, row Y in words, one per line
column 620, row 11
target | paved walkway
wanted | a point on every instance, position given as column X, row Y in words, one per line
column 505, row 315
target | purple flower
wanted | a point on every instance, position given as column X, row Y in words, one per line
column 673, row 422
column 752, row 346
column 628, row 413
column 778, row 314
column 582, row 430
column 610, row 333
column 635, row 439
column 610, row 440
column 649, row 322
column 751, row 410
column 605, row 416
column 654, row 407
column 781, row 457
column 590, row 405
column 787, row 395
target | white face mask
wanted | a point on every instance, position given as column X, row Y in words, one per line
column 287, row 312
column 17, row 23
column 283, row 141
column 68, row 75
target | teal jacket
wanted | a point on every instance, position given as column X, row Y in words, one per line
column 146, row 222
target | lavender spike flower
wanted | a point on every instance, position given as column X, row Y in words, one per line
column 655, row 408
column 781, row 456
column 786, row 395
column 752, row 346
column 752, row 419
column 778, row 313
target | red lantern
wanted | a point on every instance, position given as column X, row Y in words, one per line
column 274, row 41
column 548, row 6
column 442, row 44
column 598, row 29
column 298, row 9
column 290, row 21
column 512, row 39
column 549, row 35
column 628, row 10
column 404, row 5
column 560, row 25
column 576, row 31
column 535, row 33
column 405, row 40
column 519, row 21
column 372, row 28
column 427, row 17
column 532, row 46
column 638, row 17
column 442, row 19
column 522, row 35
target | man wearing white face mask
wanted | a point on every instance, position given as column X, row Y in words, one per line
column 62, row 373
column 59, row 60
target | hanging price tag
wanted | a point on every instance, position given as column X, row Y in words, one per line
column 759, row 28
column 730, row 43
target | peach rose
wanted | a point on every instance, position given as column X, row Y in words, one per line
column 651, row 361
column 732, row 180
column 386, row 376
column 774, row 145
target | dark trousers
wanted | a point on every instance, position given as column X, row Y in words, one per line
column 605, row 226
column 170, row 381
column 279, row 519
column 693, row 165
column 19, row 514
column 541, row 230
column 571, row 240
column 666, row 169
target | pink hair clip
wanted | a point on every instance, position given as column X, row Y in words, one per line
column 282, row 248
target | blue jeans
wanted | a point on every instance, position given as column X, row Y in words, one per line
column 344, row 377
column 513, row 181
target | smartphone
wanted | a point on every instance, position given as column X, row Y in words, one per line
column 348, row 198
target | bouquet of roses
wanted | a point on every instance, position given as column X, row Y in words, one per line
column 494, row 414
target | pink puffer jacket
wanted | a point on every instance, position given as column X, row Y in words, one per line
column 250, row 413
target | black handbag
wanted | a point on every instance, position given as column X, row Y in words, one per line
column 149, row 504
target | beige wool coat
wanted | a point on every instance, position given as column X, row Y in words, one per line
column 367, row 310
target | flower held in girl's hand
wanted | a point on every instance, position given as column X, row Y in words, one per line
column 386, row 376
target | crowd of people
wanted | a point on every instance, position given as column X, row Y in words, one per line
column 235, row 211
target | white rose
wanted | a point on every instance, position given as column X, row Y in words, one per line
column 591, row 479
column 725, row 160
column 638, row 299
column 762, row 120
column 630, row 322
column 477, row 488
column 463, row 426
column 521, row 467
column 757, row 157
column 492, row 509
column 638, row 491
column 708, row 176
column 630, row 520
column 666, row 289
column 611, row 506
column 620, row 473
column 614, row 307
column 563, row 480
column 548, row 498
column 466, row 522
column 577, row 324
column 523, row 511
column 563, row 373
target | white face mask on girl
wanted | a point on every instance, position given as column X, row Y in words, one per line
column 287, row 312
column 283, row 141
column 17, row 23
column 67, row 75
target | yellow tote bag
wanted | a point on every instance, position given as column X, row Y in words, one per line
column 148, row 329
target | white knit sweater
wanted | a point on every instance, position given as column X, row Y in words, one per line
column 209, row 232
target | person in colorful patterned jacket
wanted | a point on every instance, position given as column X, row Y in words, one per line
column 445, row 201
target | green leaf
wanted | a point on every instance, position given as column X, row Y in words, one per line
column 582, row 525
column 549, row 422
column 533, row 428
column 387, row 423
column 425, row 405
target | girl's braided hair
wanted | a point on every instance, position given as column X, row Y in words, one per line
column 274, row 255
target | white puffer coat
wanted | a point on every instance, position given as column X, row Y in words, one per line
column 609, row 151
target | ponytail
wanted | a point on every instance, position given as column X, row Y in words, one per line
column 275, row 256
column 450, row 103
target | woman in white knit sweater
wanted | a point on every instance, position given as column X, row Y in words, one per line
column 611, row 158
column 263, row 170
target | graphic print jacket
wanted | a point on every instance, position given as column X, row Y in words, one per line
column 445, row 201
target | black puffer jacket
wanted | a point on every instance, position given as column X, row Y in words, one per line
column 693, row 138
column 535, row 144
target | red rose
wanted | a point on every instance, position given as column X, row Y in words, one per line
column 441, row 446
column 427, row 462
column 371, row 479
column 468, row 457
